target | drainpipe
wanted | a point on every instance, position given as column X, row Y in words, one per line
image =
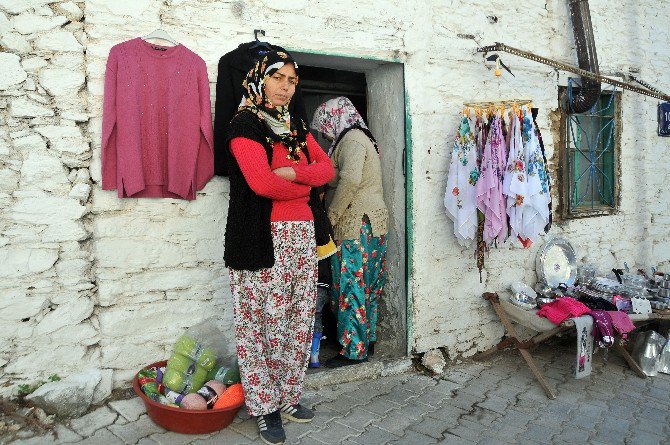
column 585, row 44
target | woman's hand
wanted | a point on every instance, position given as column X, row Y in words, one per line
column 285, row 172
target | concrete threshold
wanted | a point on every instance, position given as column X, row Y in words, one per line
column 353, row 373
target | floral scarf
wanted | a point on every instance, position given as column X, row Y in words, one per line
column 293, row 136
column 337, row 116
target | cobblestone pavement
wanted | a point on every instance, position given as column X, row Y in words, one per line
column 494, row 402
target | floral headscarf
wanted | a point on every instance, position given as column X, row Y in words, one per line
column 335, row 117
column 255, row 101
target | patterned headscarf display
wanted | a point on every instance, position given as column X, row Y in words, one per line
column 337, row 116
column 258, row 103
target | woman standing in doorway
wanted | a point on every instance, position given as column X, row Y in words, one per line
column 270, row 243
column 359, row 216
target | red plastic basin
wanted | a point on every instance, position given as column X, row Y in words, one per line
column 185, row 421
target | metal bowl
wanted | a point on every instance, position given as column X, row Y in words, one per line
column 523, row 301
column 542, row 301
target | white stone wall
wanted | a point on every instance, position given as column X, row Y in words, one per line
column 88, row 280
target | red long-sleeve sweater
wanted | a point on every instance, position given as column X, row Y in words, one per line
column 289, row 199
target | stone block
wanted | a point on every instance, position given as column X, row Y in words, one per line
column 68, row 397
column 9, row 180
column 28, row 23
column 70, row 10
column 81, row 192
column 68, row 314
column 64, row 231
column 16, row 305
column 11, row 72
column 24, row 107
column 46, row 210
column 22, row 261
column 58, row 41
column 61, row 81
column 15, row 42
column 44, row 171
column 18, row 6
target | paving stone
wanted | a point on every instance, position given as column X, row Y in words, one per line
column 374, row 436
column 447, row 414
column 147, row 441
column 226, row 436
column 481, row 416
column 451, row 439
column 380, row 406
column 247, row 428
column 465, row 400
column 612, row 437
column 93, row 421
column 172, row 438
column 400, row 395
column 359, row 418
column 584, row 422
column 132, row 432
column 66, row 435
column 516, row 418
column 37, row 440
column 414, row 438
column 431, row 427
column 644, row 438
column 130, row 409
column 396, row 422
column 495, row 404
column 431, row 398
column 333, row 432
column 573, row 435
column 468, row 431
column 103, row 436
column 344, row 404
column 309, row 440
column 447, row 387
column 322, row 416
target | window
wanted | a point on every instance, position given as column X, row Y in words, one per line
column 590, row 142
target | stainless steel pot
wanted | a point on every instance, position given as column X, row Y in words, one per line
column 664, row 292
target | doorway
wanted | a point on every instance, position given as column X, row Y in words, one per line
column 376, row 88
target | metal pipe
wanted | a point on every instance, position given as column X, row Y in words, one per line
column 585, row 44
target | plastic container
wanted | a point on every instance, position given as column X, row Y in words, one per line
column 185, row 421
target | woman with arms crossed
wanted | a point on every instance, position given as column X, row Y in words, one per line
column 270, row 243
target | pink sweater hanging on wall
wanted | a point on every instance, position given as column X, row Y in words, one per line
column 156, row 122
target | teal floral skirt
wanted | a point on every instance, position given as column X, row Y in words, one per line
column 359, row 273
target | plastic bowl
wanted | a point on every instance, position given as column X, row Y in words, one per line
column 182, row 420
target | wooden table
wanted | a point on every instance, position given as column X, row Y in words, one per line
column 509, row 313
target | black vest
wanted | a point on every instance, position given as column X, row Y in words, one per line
column 248, row 234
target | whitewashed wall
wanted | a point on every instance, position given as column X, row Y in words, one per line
column 88, row 280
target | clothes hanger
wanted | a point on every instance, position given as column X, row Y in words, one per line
column 260, row 43
column 161, row 34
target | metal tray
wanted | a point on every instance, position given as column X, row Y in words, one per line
column 556, row 263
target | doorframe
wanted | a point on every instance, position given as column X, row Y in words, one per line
column 409, row 200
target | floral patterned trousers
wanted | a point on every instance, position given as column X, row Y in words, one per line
column 274, row 313
column 359, row 273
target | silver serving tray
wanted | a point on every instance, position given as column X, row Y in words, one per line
column 556, row 263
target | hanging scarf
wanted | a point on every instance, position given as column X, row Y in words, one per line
column 490, row 199
column 336, row 117
column 460, row 196
column 515, row 186
column 536, row 210
column 277, row 118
